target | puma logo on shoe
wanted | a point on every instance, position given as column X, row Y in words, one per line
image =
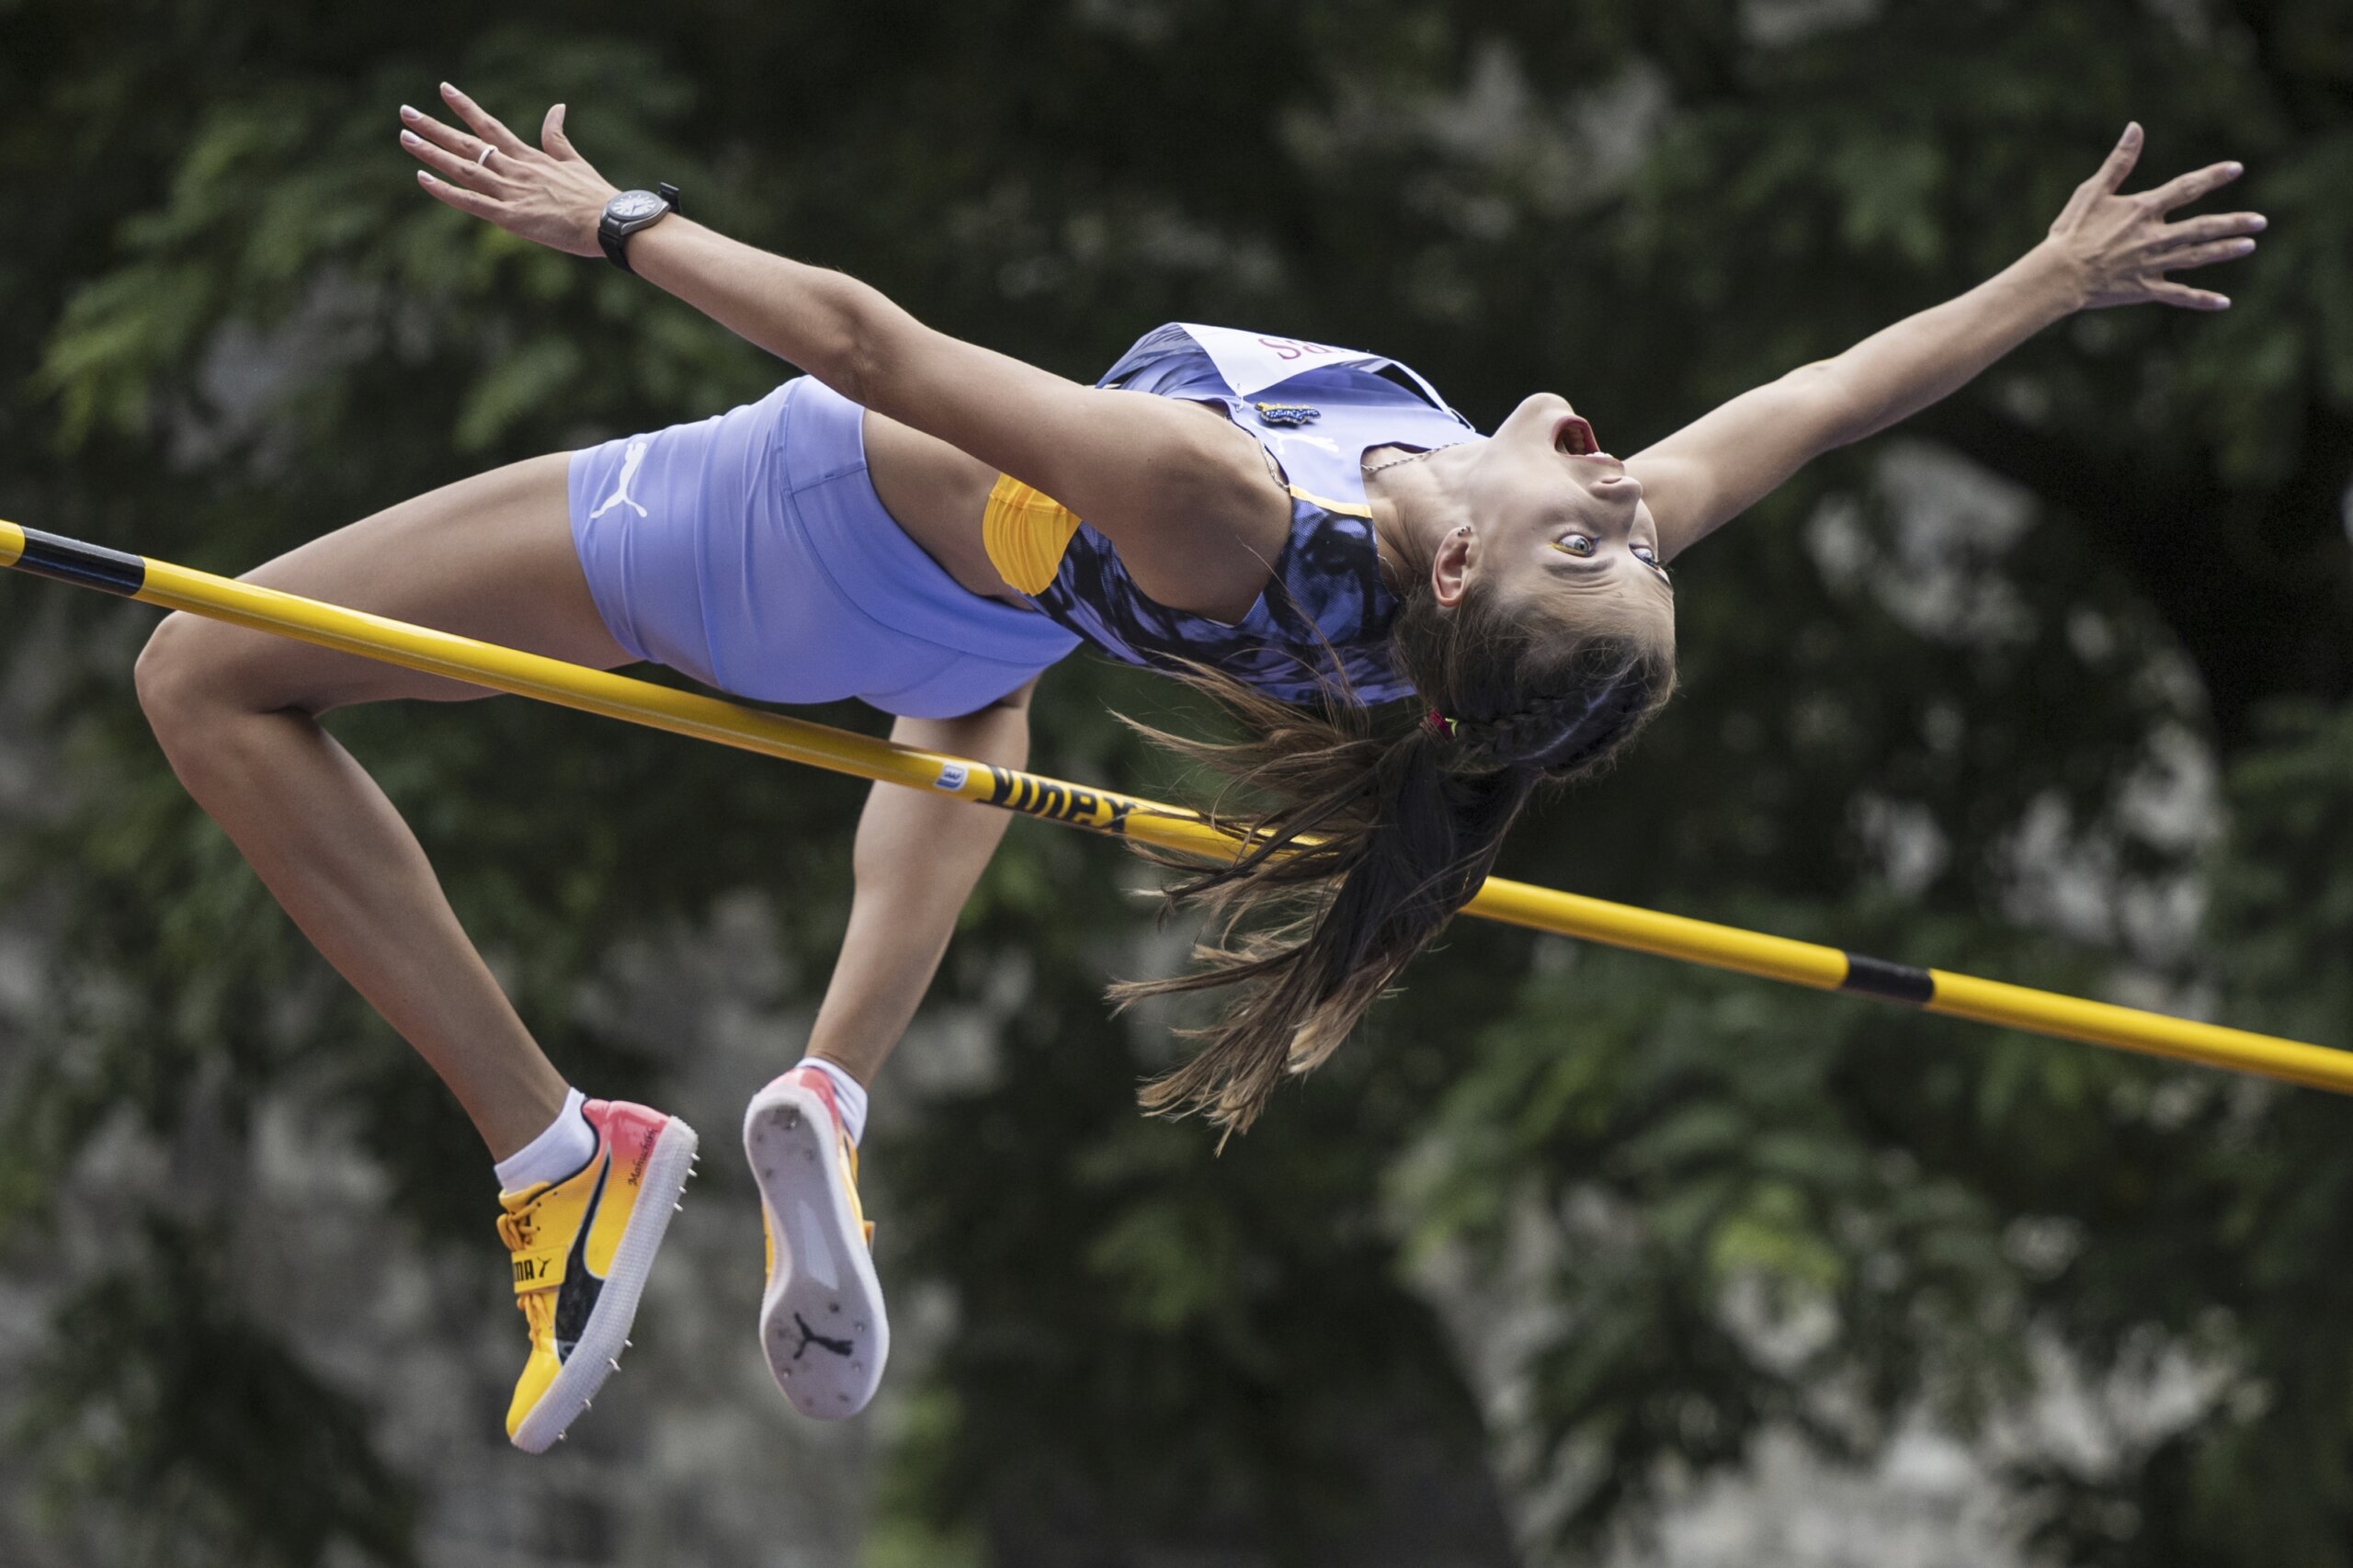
column 620, row 496
column 811, row 1337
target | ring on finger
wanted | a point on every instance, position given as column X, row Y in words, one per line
column 484, row 161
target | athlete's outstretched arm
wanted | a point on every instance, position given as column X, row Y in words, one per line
column 1122, row 460
column 2103, row 249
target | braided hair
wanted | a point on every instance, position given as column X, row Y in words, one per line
column 1377, row 830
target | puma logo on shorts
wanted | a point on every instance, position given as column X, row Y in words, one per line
column 620, row 496
column 749, row 551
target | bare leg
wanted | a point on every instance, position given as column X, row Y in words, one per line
column 237, row 713
column 917, row 860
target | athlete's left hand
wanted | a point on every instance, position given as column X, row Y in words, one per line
column 548, row 193
column 2117, row 249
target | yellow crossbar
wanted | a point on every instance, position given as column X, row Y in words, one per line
column 1103, row 810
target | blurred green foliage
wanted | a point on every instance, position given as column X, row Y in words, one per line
column 202, row 1425
column 1705, row 1207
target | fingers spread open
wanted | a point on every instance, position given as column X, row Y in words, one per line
column 2186, row 188
column 483, row 124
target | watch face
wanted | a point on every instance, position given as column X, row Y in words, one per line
column 632, row 205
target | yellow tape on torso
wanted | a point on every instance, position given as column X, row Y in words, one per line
column 1026, row 533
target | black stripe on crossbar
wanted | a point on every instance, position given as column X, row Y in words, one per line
column 71, row 560
column 1896, row 982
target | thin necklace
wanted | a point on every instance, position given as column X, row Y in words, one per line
column 1413, row 456
column 1386, row 566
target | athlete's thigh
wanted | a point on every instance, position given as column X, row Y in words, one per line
column 489, row 557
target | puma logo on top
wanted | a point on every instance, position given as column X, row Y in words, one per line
column 620, row 496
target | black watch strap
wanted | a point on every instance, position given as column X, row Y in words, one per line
column 613, row 230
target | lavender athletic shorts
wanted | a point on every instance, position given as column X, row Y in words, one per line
column 750, row 551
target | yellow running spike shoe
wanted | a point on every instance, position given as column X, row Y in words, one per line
column 822, row 1322
column 583, row 1247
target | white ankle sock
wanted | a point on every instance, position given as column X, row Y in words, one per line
column 568, row 1143
column 850, row 1096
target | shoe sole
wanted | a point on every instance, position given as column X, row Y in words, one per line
column 821, row 1323
column 597, row 1355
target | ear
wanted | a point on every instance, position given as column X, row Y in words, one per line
column 1451, row 565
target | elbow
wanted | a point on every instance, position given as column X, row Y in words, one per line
column 852, row 357
column 865, row 356
column 870, row 339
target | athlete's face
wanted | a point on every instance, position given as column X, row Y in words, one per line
column 1556, row 522
column 1559, row 518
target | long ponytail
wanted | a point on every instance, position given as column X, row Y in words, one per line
column 1365, row 834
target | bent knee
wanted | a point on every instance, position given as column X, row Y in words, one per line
column 181, row 677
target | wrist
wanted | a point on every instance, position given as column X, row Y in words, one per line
column 650, row 248
column 630, row 213
column 2058, row 278
column 591, row 216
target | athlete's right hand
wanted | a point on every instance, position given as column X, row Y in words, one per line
column 549, row 193
column 2117, row 249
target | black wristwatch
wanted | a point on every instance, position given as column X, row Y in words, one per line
column 627, row 213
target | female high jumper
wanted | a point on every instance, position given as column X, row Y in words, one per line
column 1310, row 533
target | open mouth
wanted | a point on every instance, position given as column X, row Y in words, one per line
column 1574, row 437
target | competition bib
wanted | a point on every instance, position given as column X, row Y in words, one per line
column 1253, row 361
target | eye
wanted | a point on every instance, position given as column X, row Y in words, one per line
column 1575, row 544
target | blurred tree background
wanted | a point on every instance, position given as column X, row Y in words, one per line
column 2053, row 685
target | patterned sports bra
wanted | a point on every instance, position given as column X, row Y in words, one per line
column 1316, row 410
